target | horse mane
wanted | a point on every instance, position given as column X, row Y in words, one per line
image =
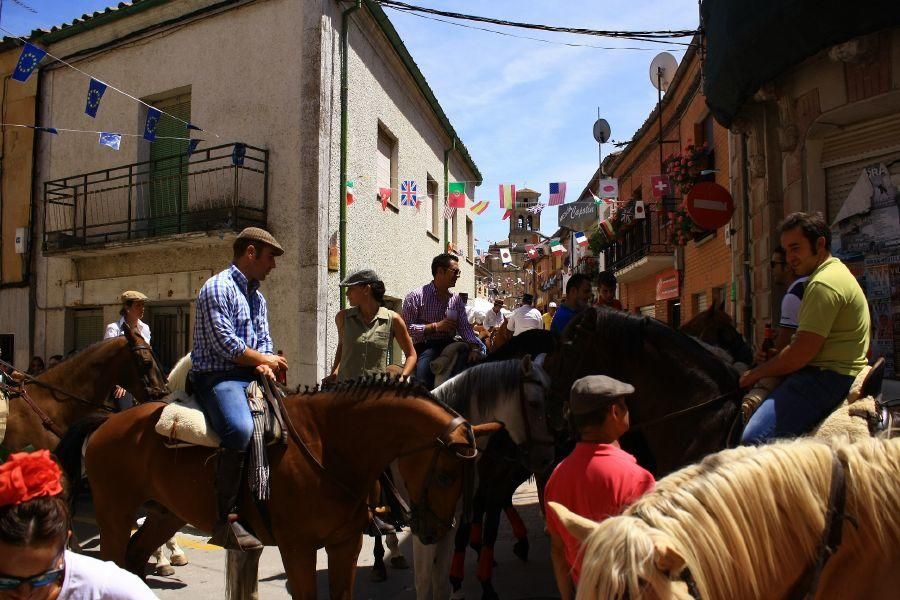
column 371, row 384
column 533, row 342
column 484, row 384
column 177, row 379
column 725, row 514
column 62, row 369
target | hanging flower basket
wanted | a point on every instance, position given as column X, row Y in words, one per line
column 684, row 168
column 682, row 228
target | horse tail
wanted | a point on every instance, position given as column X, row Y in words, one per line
column 69, row 452
column 242, row 574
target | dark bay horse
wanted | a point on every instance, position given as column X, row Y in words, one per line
column 714, row 326
column 79, row 387
column 338, row 446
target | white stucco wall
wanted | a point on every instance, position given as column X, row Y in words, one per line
column 14, row 320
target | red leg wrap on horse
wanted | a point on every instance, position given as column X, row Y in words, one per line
column 458, row 566
column 475, row 534
column 485, row 563
column 518, row 525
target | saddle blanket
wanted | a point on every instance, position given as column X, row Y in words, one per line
column 183, row 423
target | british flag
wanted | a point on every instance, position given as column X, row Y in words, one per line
column 408, row 193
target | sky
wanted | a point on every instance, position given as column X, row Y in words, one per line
column 524, row 109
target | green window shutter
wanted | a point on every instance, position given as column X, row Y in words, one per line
column 169, row 168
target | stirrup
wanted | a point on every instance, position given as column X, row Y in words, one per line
column 231, row 535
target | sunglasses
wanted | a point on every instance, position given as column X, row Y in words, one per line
column 455, row 271
column 8, row 582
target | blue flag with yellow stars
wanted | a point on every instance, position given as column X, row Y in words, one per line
column 28, row 61
column 153, row 115
column 95, row 92
column 192, row 145
column 113, row 140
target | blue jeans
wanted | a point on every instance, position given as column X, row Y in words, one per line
column 224, row 398
column 427, row 352
column 802, row 401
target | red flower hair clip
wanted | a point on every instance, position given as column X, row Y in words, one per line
column 28, row 475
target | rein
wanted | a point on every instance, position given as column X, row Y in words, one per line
column 684, row 411
column 30, row 379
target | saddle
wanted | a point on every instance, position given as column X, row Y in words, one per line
column 184, row 423
column 442, row 365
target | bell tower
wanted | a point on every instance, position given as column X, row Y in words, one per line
column 523, row 225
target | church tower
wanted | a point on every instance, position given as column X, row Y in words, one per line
column 523, row 225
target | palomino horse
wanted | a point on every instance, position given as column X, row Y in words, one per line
column 715, row 327
column 78, row 387
column 798, row 519
column 513, row 392
column 320, row 480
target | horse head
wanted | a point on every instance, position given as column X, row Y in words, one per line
column 714, row 326
column 145, row 368
column 436, row 480
column 623, row 557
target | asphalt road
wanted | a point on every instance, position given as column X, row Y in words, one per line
column 204, row 577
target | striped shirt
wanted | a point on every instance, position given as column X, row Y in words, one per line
column 423, row 307
column 231, row 317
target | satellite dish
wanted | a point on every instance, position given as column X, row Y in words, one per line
column 601, row 131
column 662, row 70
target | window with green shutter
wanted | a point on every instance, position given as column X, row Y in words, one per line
column 169, row 167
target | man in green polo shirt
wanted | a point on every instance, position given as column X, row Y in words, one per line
column 831, row 343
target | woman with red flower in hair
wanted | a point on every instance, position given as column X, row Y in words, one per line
column 34, row 529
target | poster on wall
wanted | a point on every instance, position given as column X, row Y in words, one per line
column 882, row 286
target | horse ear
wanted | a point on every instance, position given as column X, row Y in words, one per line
column 578, row 526
column 722, row 306
column 487, row 428
column 667, row 558
column 526, row 364
column 129, row 332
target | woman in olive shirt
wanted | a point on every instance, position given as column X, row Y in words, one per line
column 366, row 331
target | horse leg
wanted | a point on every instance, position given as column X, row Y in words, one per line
column 398, row 561
column 114, row 520
column 458, row 566
column 486, row 558
column 242, row 574
column 164, row 568
column 179, row 558
column 379, row 571
column 158, row 527
column 342, row 567
column 521, row 547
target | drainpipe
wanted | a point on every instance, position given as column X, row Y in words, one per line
column 748, row 285
column 447, row 191
column 342, row 188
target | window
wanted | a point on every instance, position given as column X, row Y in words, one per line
column 698, row 303
column 470, row 239
column 433, row 218
column 170, row 326
column 87, row 327
column 387, row 165
column 169, row 164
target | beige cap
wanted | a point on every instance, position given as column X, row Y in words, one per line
column 258, row 234
column 596, row 391
column 133, row 296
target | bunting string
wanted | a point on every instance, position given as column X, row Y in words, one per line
column 52, row 129
column 109, row 85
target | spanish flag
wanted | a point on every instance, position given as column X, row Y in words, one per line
column 507, row 196
column 479, row 207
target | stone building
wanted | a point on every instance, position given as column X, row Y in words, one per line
column 154, row 218
column 815, row 124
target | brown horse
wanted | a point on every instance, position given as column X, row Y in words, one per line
column 78, row 387
column 340, row 442
column 714, row 326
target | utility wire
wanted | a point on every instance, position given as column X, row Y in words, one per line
column 658, row 36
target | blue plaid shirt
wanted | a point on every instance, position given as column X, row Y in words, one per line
column 231, row 317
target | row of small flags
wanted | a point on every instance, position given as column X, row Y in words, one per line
column 31, row 57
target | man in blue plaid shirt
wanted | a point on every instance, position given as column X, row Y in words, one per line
column 232, row 347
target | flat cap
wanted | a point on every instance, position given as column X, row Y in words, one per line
column 360, row 277
column 133, row 296
column 258, row 234
column 596, row 391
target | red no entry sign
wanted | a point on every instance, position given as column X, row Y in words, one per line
column 709, row 205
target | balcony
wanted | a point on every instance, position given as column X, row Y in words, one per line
column 644, row 250
column 169, row 201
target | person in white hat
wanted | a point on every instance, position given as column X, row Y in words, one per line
column 548, row 316
column 131, row 313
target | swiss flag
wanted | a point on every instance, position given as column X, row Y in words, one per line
column 661, row 186
column 532, row 252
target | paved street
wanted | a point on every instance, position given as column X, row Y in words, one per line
column 513, row 579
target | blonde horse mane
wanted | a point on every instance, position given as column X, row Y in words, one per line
column 178, row 375
column 724, row 516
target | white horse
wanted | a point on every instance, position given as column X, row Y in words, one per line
column 513, row 392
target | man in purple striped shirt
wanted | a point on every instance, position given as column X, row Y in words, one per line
column 434, row 316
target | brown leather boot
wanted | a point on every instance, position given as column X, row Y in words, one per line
column 228, row 532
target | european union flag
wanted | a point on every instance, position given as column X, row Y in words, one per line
column 28, row 61
column 194, row 127
column 113, row 140
column 95, row 92
column 238, row 154
column 192, row 145
column 153, row 115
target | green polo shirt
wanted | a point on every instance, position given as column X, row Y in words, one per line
column 834, row 306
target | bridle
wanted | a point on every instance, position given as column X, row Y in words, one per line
column 531, row 440
column 153, row 392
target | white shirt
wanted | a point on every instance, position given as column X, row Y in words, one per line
column 790, row 304
column 91, row 579
column 524, row 318
column 115, row 329
column 493, row 319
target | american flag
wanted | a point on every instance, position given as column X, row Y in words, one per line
column 536, row 209
column 557, row 193
column 408, row 193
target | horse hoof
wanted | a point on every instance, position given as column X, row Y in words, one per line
column 378, row 574
column 399, row 562
column 179, row 560
column 520, row 549
column 165, row 571
column 489, row 593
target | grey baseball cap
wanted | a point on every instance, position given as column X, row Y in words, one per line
column 360, row 277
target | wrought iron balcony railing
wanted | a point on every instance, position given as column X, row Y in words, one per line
column 219, row 188
column 648, row 237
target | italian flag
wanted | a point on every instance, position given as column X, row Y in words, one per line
column 456, row 195
column 556, row 247
column 350, row 197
